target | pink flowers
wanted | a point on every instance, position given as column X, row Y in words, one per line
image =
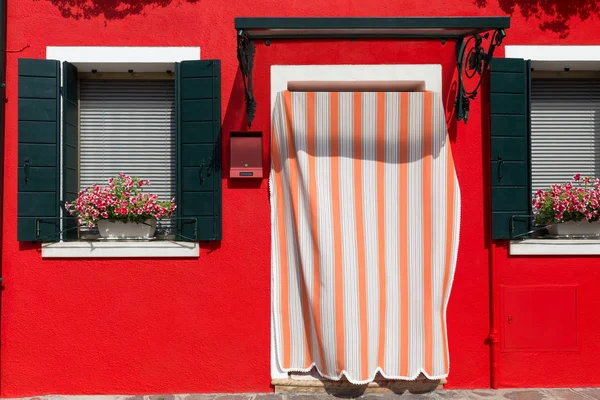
column 568, row 202
column 122, row 199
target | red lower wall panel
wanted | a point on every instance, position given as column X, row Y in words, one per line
column 180, row 326
column 560, row 344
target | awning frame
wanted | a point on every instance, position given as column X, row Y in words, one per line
column 469, row 34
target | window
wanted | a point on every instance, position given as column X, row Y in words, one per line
column 565, row 127
column 544, row 128
column 73, row 132
column 128, row 125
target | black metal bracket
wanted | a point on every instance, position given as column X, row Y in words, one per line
column 533, row 228
column 472, row 62
column 58, row 235
column 245, row 56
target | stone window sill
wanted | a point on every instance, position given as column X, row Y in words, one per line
column 121, row 249
column 554, row 247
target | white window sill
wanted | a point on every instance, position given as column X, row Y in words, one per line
column 556, row 247
column 118, row 249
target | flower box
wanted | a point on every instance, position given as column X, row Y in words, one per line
column 570, row 209
column 575, row 229
column 120, row 209
column 127, row 230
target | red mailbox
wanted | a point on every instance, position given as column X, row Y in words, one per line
column 245, row 155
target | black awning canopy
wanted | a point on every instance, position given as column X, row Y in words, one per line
column 469, row 33
column 371, row 27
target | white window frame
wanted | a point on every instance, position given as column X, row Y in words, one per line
column 556, row 58
column 431, row 74
column 120, row 59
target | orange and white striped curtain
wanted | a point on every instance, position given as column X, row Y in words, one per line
column 365, row 224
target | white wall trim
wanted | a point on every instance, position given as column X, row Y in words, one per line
column 122, row 58
column 554, row 247
column 122, row 53
column 96, row 249
column 554, row 53
column 557, row 58
column 282, row 74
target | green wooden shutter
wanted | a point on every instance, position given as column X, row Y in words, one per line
column 38, row 159
column 510, row 147
column 198, row 104
column 70, row 141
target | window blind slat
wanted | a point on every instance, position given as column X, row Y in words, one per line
column 128, row 126
column 565, row 130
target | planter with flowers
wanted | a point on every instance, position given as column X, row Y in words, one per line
column 120, row 210
column 571, row 209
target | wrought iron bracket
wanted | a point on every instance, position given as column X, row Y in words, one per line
column 245, row 56
column 472, row 62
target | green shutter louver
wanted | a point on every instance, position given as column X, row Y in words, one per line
column 510, row 148
column 70, row 142
column 38, row 153
column 198, row 104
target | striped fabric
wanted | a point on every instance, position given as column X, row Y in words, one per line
column 365, row 218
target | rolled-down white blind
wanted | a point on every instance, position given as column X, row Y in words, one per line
column 565, row 130
column 128, row 126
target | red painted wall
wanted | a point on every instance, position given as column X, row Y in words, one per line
column 180, row 326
